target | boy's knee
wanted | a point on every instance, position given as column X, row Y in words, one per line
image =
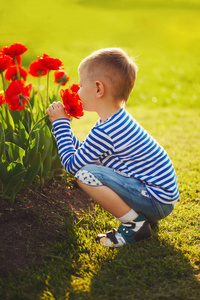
column 85, row 176
column 79, row 182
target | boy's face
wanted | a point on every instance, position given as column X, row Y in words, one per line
column 87, row 92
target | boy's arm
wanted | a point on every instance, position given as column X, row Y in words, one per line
column 95, row 146
column 75, row 141
column 56, row 112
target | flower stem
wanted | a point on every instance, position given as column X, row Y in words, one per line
column 37, row 123
column 18, row 73
column 3, row 81
column 4, row 88
column 58, row 91
column 39, row 93
column 29, row 106
column 39, row 82
column 47, row 89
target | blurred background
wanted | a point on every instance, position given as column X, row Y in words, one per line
column 163, row 36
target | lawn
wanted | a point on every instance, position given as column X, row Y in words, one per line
column 164, row 38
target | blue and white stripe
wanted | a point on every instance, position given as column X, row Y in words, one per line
column 120, row 143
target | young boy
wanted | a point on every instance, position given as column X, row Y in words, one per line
column 118, row 164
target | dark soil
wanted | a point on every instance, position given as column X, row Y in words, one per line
column 36, row 220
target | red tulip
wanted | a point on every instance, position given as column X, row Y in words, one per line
column 5, row 62
column 72, row 103
column 11, row 73
column 36, row 69
column 49, row 62
column 2, row 98
column 61, row 77
column 14, row 49
column 15, row 93
column 75, row 87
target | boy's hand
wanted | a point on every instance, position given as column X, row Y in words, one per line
column 56, row 111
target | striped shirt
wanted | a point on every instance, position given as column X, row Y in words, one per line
column 120, row 143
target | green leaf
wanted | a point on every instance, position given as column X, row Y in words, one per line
column 45, row 142
column 15, row 167
column 12, row 178
column 7, row 119
column 15, row 182
column 23, row 135
column 32, row 97
column 16, row 115
column 32, row 170
column 4, row 167
column 14, row 152
column 47, row 165
column 2, row 140
column 27, row 120
column 32, row 149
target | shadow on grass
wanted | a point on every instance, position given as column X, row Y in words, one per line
column 145, row 270
column 49, row 276
column 78, row 268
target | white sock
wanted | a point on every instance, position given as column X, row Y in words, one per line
column 131, row 215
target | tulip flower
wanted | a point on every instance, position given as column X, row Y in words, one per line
column 17, row 95
column 14, row 49
column 36, row 69
column 75, row 87
column 12, row 73
column 72, row 102
column 5, row 62
column 49, row 62
column 61, row 77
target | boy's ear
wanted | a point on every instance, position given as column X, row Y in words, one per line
column 100, row 89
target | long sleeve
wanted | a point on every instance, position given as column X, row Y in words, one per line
column 75, row 141
column 73, row 154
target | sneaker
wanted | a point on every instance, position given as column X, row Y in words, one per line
column 153, row 224
column 134, row 231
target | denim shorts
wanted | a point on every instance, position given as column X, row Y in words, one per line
column 130, row 189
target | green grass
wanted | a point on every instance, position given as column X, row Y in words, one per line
column 165, row 38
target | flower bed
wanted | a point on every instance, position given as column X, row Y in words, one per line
column 28, row 153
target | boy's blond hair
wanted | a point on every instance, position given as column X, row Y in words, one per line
column 115, row 67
